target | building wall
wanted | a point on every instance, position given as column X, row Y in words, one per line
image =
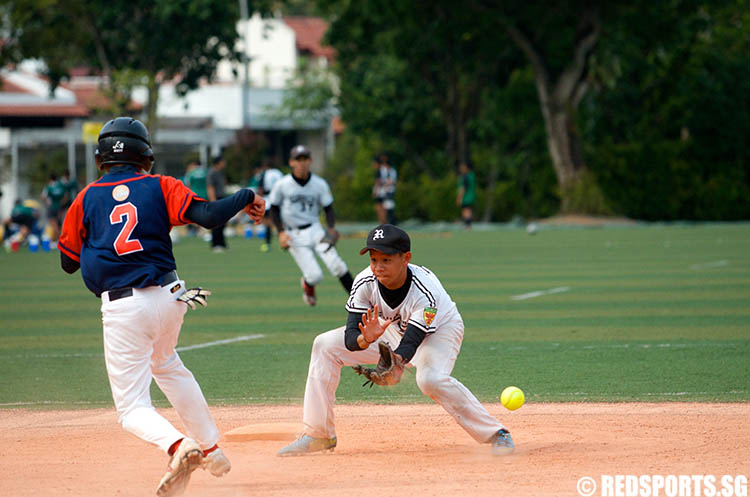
column 271, row 50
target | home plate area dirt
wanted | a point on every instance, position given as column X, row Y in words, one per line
column 383, row 450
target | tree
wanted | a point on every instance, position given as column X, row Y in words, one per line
column 414, row 73
column 127, row 41
column 558, row 40
column 667, row 131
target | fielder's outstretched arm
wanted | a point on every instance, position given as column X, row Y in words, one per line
column 207, row 214
column 68, row 265
column 213, row 214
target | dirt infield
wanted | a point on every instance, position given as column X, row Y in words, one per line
column 414, row 450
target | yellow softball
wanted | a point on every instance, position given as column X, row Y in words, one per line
column 512, row 398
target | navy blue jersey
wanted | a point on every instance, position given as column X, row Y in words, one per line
column 118, row 229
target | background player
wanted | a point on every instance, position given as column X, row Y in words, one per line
column 466, row 194
column 117, row 232
column 268, row 176
column 53, row 196
column 403, row 304
column 384, row 190
column 216, row 182
column 71, row 190
column 295, row 206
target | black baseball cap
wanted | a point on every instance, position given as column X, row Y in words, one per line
column 387, row 239
column 300, row 151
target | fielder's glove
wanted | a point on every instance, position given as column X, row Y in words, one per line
column 193, row 295
column 331, row 237
column 388, row 371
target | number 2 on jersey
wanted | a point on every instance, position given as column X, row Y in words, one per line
column 123, row 244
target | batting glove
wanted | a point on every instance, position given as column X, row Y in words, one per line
column 193, row 295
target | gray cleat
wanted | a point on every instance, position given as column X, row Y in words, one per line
column 306, row 445
column 502, row 443
column 186, row 459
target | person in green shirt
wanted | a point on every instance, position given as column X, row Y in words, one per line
column 195, row 179
column 53, row 195
column 23, row 217
column 467, row 193
column 71, row 190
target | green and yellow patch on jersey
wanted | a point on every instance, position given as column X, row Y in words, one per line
column 429, row 315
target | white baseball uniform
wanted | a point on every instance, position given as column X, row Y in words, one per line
column 428, row 307
column 300, row 214
column 137, row 350
column 269, row 180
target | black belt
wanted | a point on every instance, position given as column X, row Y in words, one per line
column 303, row 227
column 121, row 293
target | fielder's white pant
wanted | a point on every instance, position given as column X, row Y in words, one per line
column 434, row 362
column 140, row 336
column 304, row 244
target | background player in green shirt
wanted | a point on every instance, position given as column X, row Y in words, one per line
column 53, row 195
column 467, row 193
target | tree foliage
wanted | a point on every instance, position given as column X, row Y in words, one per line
column 650, row 99
column 154, row 40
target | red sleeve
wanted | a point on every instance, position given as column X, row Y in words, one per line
column 177, row 196
column 73, row 231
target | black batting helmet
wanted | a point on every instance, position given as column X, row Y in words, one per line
column 124, row 140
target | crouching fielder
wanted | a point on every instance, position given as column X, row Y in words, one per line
column 405, row 305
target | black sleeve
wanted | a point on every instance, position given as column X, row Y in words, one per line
column 413, row 338
column 352, row 331
column 276, row 217
column 68, row 265
column 330, row 216
column 213, row 214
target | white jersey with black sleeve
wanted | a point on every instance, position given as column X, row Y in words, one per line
column 427, row 305
column 300, row 204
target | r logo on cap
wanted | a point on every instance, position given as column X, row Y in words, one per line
column 388, row 239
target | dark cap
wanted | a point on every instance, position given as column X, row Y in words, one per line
column 387, row 239
column 300, row 151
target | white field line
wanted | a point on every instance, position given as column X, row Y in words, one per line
column 220, row 342
column 539, row 293
column 644, row 394
column 178, row 349
column 709, row 265
column 633, row 346
column 614, row 396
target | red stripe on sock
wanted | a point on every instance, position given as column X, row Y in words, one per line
column 174, row 446
column 208, row 451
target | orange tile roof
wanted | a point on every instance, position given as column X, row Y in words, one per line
column 309, row 32
column 44, row 110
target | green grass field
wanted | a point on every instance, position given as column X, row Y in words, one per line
column 644, row 313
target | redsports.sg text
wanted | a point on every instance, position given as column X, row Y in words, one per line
column 668, row 486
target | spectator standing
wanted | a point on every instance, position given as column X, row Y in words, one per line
column 378, row 195
column 467, row 193
column 71, row 190
column 195, row 179
column 385, row 182
column 216, row 182
column 53, row 196
column 267, row 178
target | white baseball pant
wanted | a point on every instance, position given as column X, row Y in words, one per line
column 140, row 336
column 434, row 362
column 304, row 244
